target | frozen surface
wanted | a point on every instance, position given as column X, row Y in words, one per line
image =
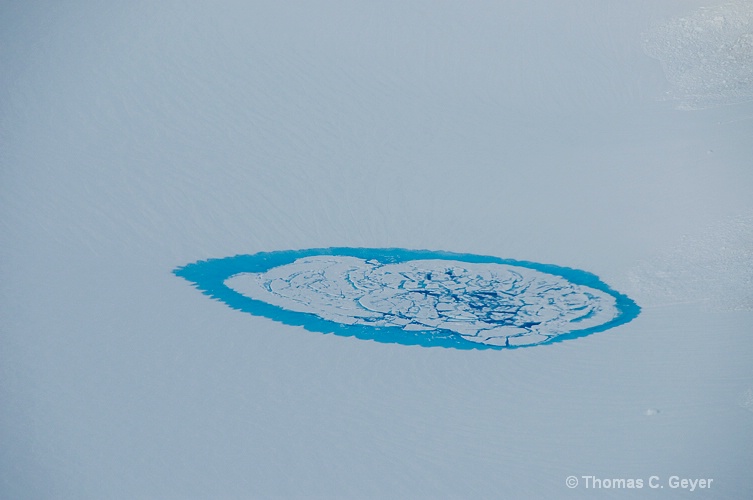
column 487, row 303
column 707, row 55
column 136, row 137
column 706, row 268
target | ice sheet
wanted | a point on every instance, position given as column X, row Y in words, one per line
column 140, row 136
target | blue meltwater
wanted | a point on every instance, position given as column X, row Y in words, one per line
column 415, row 297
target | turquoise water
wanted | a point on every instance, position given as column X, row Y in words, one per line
column 415, row 297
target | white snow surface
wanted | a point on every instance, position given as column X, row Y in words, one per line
column 139, row 136
column 707, row 55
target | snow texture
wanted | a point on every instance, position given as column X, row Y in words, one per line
column 746, row 400
column 710, row 267
column 707, row 55
column 138, row 136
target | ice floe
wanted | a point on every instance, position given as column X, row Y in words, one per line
column 416, row 297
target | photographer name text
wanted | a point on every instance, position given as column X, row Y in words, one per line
column 653, row 482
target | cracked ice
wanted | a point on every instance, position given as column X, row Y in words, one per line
column 487, row 303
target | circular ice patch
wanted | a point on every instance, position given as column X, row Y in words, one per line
column 415, row 297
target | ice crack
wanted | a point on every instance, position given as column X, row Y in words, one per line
column 415, row 297
column 487, row 303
